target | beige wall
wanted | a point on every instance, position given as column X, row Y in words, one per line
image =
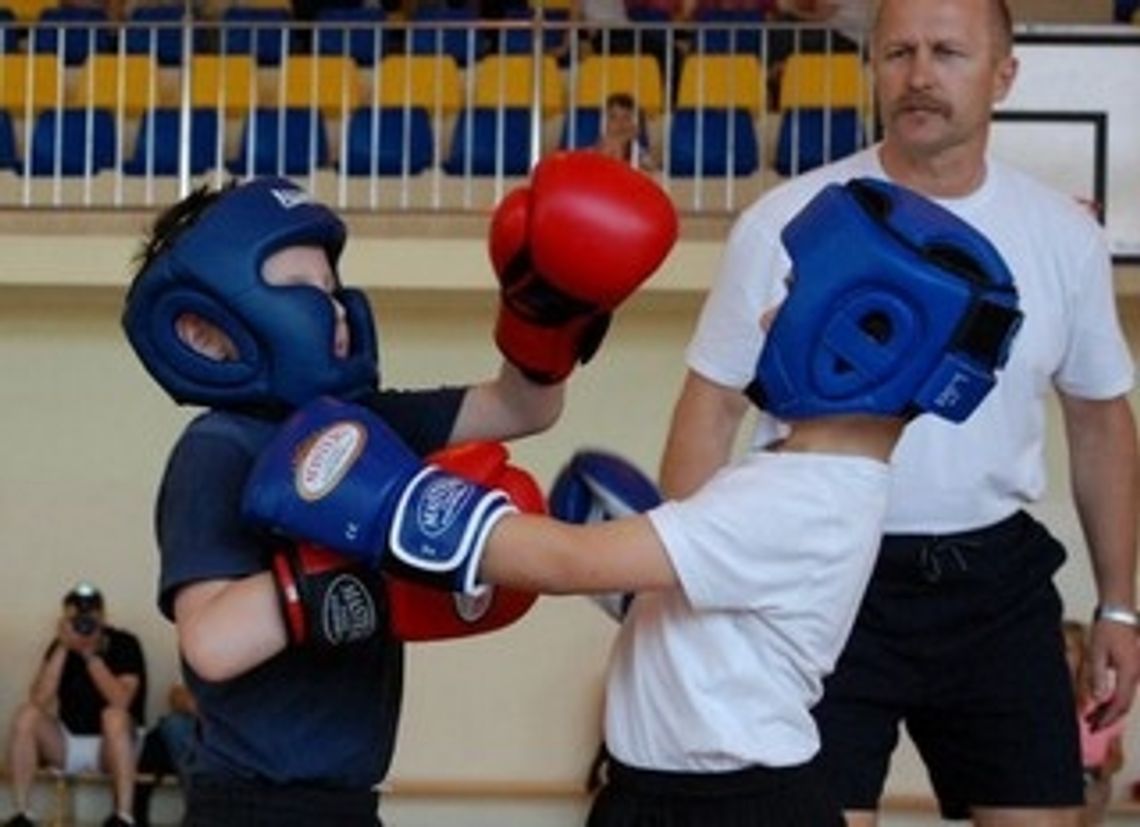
column 85, row 434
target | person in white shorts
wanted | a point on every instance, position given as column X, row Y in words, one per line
column 85, row 707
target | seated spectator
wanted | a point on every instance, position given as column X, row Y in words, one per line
column 166, row 749
column 84, row 708
column 623, row 133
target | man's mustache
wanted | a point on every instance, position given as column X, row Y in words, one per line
column 923, row 103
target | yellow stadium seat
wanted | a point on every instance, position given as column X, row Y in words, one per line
column 508, row 81
column 328, row 82
column 266, row 4
column 599, row 76
column 29, row 9
column 227, row 82
column 820, row 81
column 33, row 81
column 430, row 82
column 722, row 82
column 108, row 81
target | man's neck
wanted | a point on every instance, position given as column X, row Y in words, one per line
column 951, row 174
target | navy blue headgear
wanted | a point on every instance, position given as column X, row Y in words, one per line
column 895, row 306
column 283, row 335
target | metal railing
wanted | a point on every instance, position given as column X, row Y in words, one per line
column 438, row 115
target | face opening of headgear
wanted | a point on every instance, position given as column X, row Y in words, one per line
column 895, row 307
column 283, row 335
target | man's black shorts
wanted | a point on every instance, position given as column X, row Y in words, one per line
column 960, row 638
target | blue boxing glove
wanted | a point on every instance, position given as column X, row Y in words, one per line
column 596, row 486
column 336, row 475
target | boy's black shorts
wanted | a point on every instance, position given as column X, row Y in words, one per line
column 773, row 797
column 229, row 802
column 959, row 637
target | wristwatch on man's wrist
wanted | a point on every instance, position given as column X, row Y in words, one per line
column 1117, row 614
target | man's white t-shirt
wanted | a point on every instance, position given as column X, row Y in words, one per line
column 946, row 477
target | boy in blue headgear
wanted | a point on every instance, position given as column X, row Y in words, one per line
column 238, row 306
column 746, row 590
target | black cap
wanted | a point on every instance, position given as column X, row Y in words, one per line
column 84, row 597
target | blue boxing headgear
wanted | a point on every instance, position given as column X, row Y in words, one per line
column 283, row 335
column 895, row 306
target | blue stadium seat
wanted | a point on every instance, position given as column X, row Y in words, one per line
column 362, row 39
column 380, row 141
column 260, row 31
column 490, row 141
column 156, row 29
column 810, row 137
column 78, row 40
column 8, row 157
column 281, row 142
column 460, row 41
column 10, row 32
column 85, row 136
column 159, row 135
column 581, row 128
column 516, row 41
column 742, row 37
column 713, row 142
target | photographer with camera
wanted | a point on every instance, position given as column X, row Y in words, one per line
column 84, row 709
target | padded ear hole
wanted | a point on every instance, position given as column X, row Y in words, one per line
column 878, row 326
column 842, row 367
column 956, row 260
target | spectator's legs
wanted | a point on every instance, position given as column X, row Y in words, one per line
column 35, row 738
column 118, row 756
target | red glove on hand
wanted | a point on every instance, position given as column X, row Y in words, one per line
column 568, row 250
column 418, row 612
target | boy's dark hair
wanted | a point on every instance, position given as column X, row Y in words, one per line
column 622, row 99
column 175, row 220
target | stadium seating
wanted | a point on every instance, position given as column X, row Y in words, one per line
column 361, row 36
column 159, row 140
column 822, row 98
column 490, row 142
column 156, row 30
column 388, row 141
column 80, row 31
column 128, row 84
column 254, row 30
column 72, row 142
column 30, row 83
column 281, row 142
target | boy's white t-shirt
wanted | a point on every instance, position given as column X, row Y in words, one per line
column 772, row 556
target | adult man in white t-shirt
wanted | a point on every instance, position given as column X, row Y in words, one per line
column 959, row 635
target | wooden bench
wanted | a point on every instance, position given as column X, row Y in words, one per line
column 63, row 787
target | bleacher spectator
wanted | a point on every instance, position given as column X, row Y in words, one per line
column 623, row 133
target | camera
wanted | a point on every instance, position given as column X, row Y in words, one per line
column 88, row 603
column 85, row 624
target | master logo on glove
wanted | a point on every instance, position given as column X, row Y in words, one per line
column 443, row 500
column 323, row 460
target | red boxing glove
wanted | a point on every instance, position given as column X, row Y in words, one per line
column 418, row 612
column 568, row 250
column 326, row 600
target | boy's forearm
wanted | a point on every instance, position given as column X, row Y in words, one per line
column 550, row 557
